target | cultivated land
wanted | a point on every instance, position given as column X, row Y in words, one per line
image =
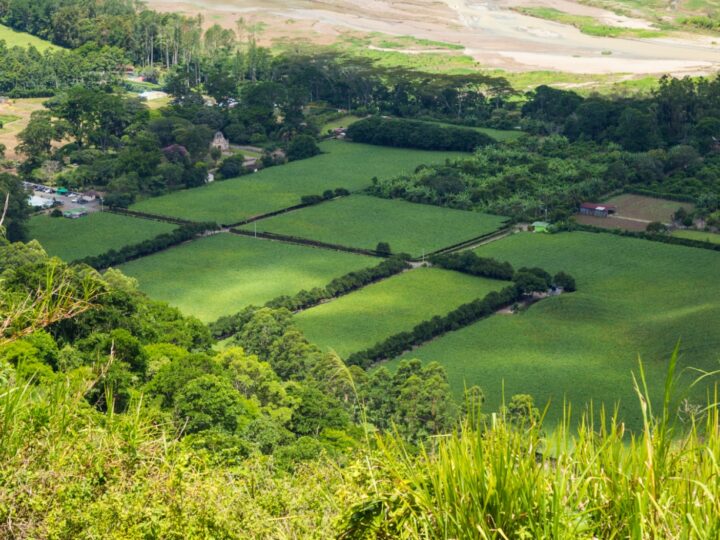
column 702, row 236
column 360, row 221
column 221, row 274
column 634, row 212
column 342, row 165
column 94, row 234
column 635, row 297
column 359, row 320
column 13, row 38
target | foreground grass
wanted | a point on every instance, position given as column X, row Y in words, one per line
column 634, row 297
column 221, row 274
column 505, row 479
column 94, row 234
column 342, row 165
column 361, row 319
column 360, row 221
column 13, row 38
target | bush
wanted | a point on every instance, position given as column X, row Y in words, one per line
column 564, row 281
column 302, row 147
column 311, row 199
column 414, row 134
column 383, row 248
column 56, row 212
column 232, row 166
column 469, row 263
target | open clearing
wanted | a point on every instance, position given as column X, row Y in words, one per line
column 501, row 135
column 360, row 221
column 702, row 236
column 635, row 297
column 359, row 320
column 12, row 38
column 221, row 274
column 94, row 234
column 342, row 165
column 17, row 113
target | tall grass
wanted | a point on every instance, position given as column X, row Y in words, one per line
column 597, row 481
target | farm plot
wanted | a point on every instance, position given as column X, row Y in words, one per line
column 635, row 297
column 634, row 212
column 359, row 320
column 221, row 274
column 701, row 236
column 342, row 165
column 96, row 233
column 360, row 221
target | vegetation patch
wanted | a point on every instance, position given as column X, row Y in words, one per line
column 588, row 25
column 342, row 165
column 221, row 274
column 362, row 319
column 13, row 38
column 702, row 236
column 362, row 222
column 634, row 297
column 92, row 235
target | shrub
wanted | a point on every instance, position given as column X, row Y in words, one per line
column 302, row 147
column 232, row 166
column 383, row 248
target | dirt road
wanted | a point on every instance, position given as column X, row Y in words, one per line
column 492, row 33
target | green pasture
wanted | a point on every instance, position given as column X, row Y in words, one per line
column 635, row 298
column 343, row 122
column 94, row 234
column 342, row 165
column 13, row 38
column 359, row 320
column 360, row 221
column 221, row 274
column 500, row 135
column 702, row 236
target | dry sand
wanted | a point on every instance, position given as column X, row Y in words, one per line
column 492, row 33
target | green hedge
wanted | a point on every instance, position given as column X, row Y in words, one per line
column 414, row 134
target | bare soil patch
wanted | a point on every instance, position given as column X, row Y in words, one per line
column 22, row 109
column 647, row 209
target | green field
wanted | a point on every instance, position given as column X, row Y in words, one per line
column 702, row 236
column 221, row 274
column 96, row 233
column 343, row 122
column 361, row 319
column 501, row 135
column 13, row 38
column 635, row 297
column 361, row 221
column 342, row 165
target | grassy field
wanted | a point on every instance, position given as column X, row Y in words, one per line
column 342, row 165
column 15, row 115
column 343, row 122
column 702, row 236
column 72, row 239
column 221, row 274
column 13, row 38
column 634, row 297
column 361, row 319
column 501, row 135
column 361, row 221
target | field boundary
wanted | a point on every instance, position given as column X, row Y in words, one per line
column 661, row 238
column 467, row 244
column 306, row 242
column 153, row 217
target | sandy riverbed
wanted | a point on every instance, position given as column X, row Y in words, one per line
column 492, row 33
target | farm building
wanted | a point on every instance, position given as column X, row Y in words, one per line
column 219, row 141
column 597, row 210
column 540, row 227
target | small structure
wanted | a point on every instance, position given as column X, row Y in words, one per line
column 597, row 210
column 40, row 202
column 75, row 213
column 540, row 227
column 219, row 141
column 62, row 191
